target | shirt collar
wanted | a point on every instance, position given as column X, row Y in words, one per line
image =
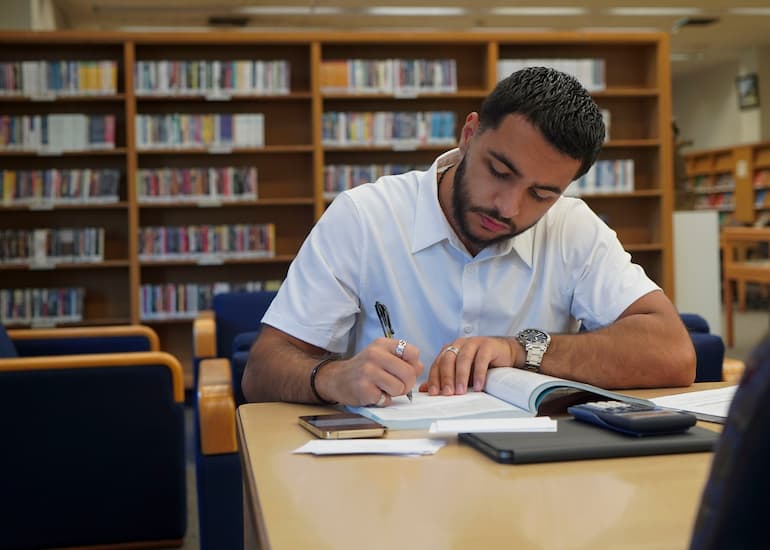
column 431, row 226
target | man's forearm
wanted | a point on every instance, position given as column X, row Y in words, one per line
column 640, row 350
column 279, row 370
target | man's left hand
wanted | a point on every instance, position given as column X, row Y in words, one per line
column 465, row 362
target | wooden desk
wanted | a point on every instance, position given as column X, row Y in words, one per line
column 458, row 498
column 736, row 268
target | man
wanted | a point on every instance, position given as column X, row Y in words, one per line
column 481, row 262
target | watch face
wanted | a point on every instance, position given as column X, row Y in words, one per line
column 534, row 336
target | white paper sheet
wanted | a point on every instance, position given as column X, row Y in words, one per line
column 371, row 446
column 709, row 405
column 483, row 425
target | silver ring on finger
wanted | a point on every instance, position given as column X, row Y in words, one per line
column 452, row 349
column 400, row 348
column 381, row 400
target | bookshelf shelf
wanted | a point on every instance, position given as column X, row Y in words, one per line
column 291, row 163
column 201, row 98
column 268, row 149
column 122, row 205
column 58, row 266
column 53, row 100
column 118, row 151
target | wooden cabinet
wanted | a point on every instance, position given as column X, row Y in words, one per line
column 293, row 158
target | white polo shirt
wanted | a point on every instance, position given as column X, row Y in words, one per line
column 389, row 241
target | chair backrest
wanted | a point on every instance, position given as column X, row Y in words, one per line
column 7, row 349
column 709, row 348
column 733, row 508
column 93, row 450
column 238, row 312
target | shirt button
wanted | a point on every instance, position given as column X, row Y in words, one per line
column 468, row 329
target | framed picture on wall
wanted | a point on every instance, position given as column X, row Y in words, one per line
column 748, row 91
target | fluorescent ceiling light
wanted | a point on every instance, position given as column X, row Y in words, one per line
column 538, row 10
column 513, row 29
column 164, row 28
column 749, row 11
column 656, row 11
column 618, row 29
column 415, row 10
column 288, row 10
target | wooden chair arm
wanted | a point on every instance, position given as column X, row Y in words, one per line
column 87, row 332
column 205, row 335
column 216, row 407
column 93, row 360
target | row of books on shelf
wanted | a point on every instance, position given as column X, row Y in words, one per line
column 207, row 242
column 57, row 132
column 589, row 72
column 715, row 201
column 45, row 246
column 389, row 76
column 710, row 184
column 605, row 176
column 388, row 128
column 188, row 130
column 761, row 199
column 340, row 177
column 761, row 179
column 217, row 79
column 48, row 79
column 217, row 184
column 59, row 186
column 184, row 301
column 24, row 306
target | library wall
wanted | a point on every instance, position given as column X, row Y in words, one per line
column 705, row 103
column 705, row 107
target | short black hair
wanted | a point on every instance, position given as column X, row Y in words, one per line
column 556, row 104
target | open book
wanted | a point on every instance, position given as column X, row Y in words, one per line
column 508, row 392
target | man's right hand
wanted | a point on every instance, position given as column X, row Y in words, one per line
column 365, row 377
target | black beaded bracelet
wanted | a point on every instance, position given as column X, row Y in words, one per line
column 314, row 373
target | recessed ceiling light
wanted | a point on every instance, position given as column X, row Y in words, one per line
column 538, row 10
column 656, row 11
column 288, row 10
column 415, row 11
column 749, row 11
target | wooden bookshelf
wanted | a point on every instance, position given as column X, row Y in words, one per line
column 291, row 162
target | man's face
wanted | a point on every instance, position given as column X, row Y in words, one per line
column 506, row 181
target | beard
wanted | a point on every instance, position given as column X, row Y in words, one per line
column 462, row 208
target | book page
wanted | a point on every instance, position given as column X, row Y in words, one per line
column 425, row 409
column 528, row 390
column 515, row 385
column 710, row 405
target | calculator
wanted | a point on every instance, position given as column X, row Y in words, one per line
column 633, row 418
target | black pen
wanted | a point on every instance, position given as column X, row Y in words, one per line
column 387, row 329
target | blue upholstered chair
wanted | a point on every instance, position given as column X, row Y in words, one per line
column 93, row 443
column 709, row 348
column 222, row 339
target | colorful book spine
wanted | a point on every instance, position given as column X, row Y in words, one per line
column 41, row 306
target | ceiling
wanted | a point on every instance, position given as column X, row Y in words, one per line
column 693, row 47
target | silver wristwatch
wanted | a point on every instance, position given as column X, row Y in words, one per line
column 535, row 344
